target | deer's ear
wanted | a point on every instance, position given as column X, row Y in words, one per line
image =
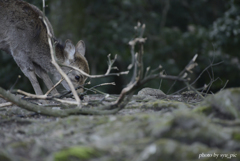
column 80, row 48
column 69, row 50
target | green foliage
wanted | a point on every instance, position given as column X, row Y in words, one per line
column 225, row 33
column 226, row 30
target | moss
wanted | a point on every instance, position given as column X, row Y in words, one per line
column 203, row 109
column 72, row 120
column 21, row 144
column 235, row 91
column 3, row 157
column 78, row 152
column 236, row 136
column 160, row 104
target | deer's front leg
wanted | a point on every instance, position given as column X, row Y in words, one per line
column 27, row 68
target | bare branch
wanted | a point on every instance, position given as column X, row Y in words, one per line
column 32, row 95
column 224, row 85
column 55, row 63
column 6, row 104
column 96, row 76
column 51, row 112
column 188, row 68
column 211, row 65
column 110, row 63
column 47, row 93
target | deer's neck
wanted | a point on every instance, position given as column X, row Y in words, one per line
column 60, row 52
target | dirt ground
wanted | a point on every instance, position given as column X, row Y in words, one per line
column 150, row 128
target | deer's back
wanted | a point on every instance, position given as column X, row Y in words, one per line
column 22, row 30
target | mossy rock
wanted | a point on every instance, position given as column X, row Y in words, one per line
column 76, row 153
column 225, row 104
column 165, row 149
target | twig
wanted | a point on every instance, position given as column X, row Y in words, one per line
column 32, row 95
column 47, row 93
column 52, row 51
column 6, row 104
column 110, row 64
column 92, row 89
column 95, row 76
column 224, row 85
column 211, row 65
column 188, row 68
column 189, row 86
column 19, row 76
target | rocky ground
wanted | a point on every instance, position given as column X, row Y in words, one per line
column 152, row 127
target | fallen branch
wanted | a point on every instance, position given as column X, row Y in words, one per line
column 52, row 112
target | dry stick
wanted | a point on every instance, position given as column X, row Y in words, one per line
column 192, row 88
column 132, row 55
column 188, row 68
column 45, row 96
column 50, row 112
column 137, row 80
column 60, row 96
column 211, row 65
column 132, row 43
column 65, row 101
column 211, row 81
column 78, row 101
column 6, row 104
column 110, row 63
column 137, row 64
column 54, row 86
column 224, row 85
column 92, row 89
column 32, row 95
column 95, row 76
column 24, row 104
column 147, row 71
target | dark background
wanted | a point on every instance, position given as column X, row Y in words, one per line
column 175, row 29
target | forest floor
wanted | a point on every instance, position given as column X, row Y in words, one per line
column 150, row 128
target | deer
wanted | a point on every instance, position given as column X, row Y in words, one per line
column 23, row 34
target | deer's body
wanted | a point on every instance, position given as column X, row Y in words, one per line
column 24, row 35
